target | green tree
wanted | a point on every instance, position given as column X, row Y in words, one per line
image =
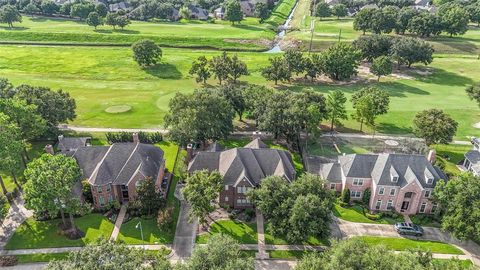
column 146, row 52
column 49, row 7
column 313, row 66
column 340, row 61
column 122, row 21
column 220, row 66
column 105, row 254
column 50, row 181
column 369, row 102
column 220, row 252
column 237, row 68
column 261, row 11
column 408, row 51
column 81, row 10
column 199, row 117
column 366, row 196
column 149, row 197
column 459, row 199
column 336, row 109
column 233, row 11
column 473, row 92
column 454, row 19
column 323, row 10
column 184, row 13
column 474, row 12
column 278, row 70
column 434, row 126
column 31, row 9
column 404, row 16
column 101, row 9
column 363, row 18
column 200, row 68
column 373, row 46
column 9, row 14
column 10, row 148
column 111, row 19
column 4, row 207
column 200, row 190
column 94, row 19
column 339, row 10
column 256, row 98
column 381, row 66
column 295, row 61
column 425, row 24
column 346, row 195
column 234, row 95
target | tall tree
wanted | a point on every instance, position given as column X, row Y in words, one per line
column 460, row 199
column 111, row 19
column 339, row 10
column 363, row 20
column 261, row 11
column 123, row 21
column 454, row 19
column 237, row 68
column 473, row 92
column 199, row 117
column 233, row 11
column 312, row 66
column 220, row 66
column 381, row 66
column 295, row 61
column 31, row 9
column 340, row 61
column 50, row 181
column 408, row 51
column 336, row 109
column 474, row 12
column 200, row 190
column 148, row 196
column 49, row 7
column 234, row 95
column 81, row 10
column 256, row 98
column 425, row 24
column 9, row 14
column 220, row 252
column 200, row 68
column 323, row 10
column 105, row 254
column 404, row 16
column 373, row 46
column 10, row 148
column 370, row 102
column 94, row 19
column 434, row 126
column 278, row 70
column 146, row 52
column 101, row 9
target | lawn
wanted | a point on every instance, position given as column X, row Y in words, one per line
column 270, row 239
column 355, row 213
column 44, row 234
column 402, row 244
column 465, row 264
column 170, row 150
column 244, row 233
column 451, row 155
column 197, row 34
column 288, row 254
column 41, row 257
column 99, row 78
column 151, row 233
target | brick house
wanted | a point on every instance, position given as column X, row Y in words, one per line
column 114, row 172
column 243, row 168
column 399, row 182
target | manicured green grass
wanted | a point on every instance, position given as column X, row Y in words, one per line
column 244, row 233
column 355, row 213
column 288, row 254
column 220, row 35
column 99, row 78
column 41, row 257
column 402, row 244
column 280, row 13
column 170, row 152
column 451, row 155
column 276, row 240
column 465, row 264
column 151, row 233
column 44, row 234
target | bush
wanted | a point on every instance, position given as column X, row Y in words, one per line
column 250, row 213
column 3, row 207
column 8, row 261
column 165, row 217
column 373, row 216
column 366, row 197
column 87, row 191
column 144, row 137
column 346, row 196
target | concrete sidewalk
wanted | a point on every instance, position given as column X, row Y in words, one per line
column 15, row 217
column 71, row 249
column 119, row 222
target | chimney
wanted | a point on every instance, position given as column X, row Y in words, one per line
column 189, row 153
column 135, row 137
column 49, row 149
column 257, row 135
column 431, row 156
column 60, row 138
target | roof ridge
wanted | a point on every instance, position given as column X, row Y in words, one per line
column 95, row 171
column 126, row 162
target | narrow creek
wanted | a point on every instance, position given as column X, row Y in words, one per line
column 278, row 38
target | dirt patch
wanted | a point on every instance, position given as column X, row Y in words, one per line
column 476, row 125
column 258, row 42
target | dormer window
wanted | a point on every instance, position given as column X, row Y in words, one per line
column 393, row 175
column 428, row 177
column 394, row 179
column 429, row 181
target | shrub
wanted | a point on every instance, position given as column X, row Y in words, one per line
column 165, row 217
column 144, row 137
column 87, row 191
column 8, row 261
column 373, row 216
column 250, row 213
column 366, row 196
column 346, row 196
column 3, row 207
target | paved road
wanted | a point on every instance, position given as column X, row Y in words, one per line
column 16, row 216
column 185, row 232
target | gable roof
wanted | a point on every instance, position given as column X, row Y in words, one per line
column 473, row 156
column 119, row 163
column 358, row 165
column 66, row 144
column 253, row 162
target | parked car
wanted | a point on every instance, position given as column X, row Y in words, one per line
column 408, row 229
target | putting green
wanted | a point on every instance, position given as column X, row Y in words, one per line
column 118, row 109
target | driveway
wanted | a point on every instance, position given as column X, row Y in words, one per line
column 15, row 217
column 185, row 232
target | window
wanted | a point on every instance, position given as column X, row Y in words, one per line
column 394, row 179
column 429, row 181
column 355, row 194
column 378, row 204
column 392, row 192
column 101, row 200
column 243, row 201
column 226, row 187
column 434, row 208
column 408, row 195
column 226, row 198
column 427, row 193
column 422, row 207
column 110, row 198
column 381, row 191
column 242, row 189
column 99, row 189
column 389, row 205
column 333, row 186
column 108, row 188
column 357, row 182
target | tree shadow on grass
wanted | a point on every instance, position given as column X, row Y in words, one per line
column 164, row 71
column 390, row 128
column 397, row 89
column 116, row 31
column 443, row 77
column 455, row 45
column 248, row 27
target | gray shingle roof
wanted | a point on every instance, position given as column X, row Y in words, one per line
column 66, row 144
column 119, row 163
column 358, row 165
column 252, row 163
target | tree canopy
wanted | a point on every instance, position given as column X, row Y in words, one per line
column 233, row 11
column 381, row 66
column 473, row 92
column 340, row 61
column 336, row 109
column 9, row 14
column 146, row 52
column 369, row 102
column 10, row 148
column 148, row 196
column 434, row 126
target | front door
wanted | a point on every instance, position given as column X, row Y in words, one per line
column 405, row 206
